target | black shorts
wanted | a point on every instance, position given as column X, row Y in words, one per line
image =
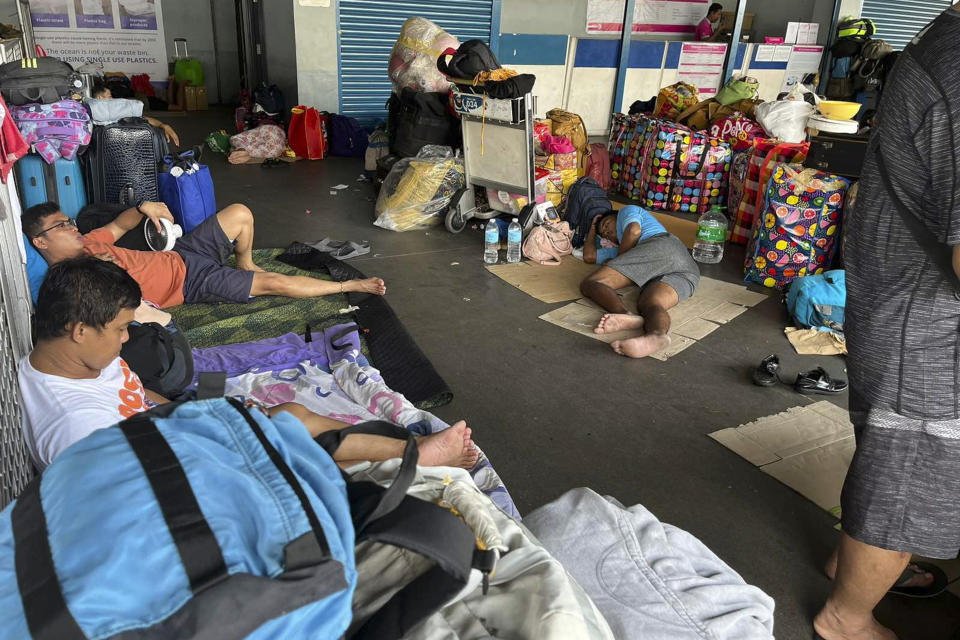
column 205, row 250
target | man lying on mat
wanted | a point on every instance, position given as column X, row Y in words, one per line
column 194, row 271
column 651, row 258
column 74, row 382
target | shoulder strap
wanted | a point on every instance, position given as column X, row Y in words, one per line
column 939, row 253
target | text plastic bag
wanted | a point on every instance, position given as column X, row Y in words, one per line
column 417, row 191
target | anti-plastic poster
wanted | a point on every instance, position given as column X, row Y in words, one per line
column 121, row 35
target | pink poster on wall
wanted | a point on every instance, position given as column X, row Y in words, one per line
column 649, row 16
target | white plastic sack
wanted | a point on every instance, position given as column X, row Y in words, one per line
column 413, row 60
column 787, row 119
column 417, row 191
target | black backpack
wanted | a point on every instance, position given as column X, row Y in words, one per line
column 99, row 214
column 43, row 80
column 471, row 58
column 271, row 100
column 585, row 200
column 161, row 357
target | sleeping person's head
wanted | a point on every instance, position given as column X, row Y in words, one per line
column 100, row 90
column 52, row 233
column 607, row 227
column 85, row 306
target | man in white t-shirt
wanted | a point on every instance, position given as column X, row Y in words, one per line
column 74, row 382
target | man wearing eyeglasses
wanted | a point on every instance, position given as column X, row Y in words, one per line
column 195, row 271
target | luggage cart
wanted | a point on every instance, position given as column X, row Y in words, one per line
column 497, row 153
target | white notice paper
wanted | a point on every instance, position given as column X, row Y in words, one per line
column 701, row 64
column 793, row 30
column 765, row 52
column 803, row 60
column 782, row 53
column 812, row 33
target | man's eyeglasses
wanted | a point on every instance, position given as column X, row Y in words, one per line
column 69, row 222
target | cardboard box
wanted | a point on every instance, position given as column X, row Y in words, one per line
column 727, row 18
column 196, row 98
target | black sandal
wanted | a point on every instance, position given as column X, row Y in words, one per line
column 940, row 582
column 819, row 382
column 768, row 373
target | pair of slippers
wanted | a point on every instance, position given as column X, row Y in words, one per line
column 342, row 249
column 814, row 382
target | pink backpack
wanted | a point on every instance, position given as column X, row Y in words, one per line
column 548, row 243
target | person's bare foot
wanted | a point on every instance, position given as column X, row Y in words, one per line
column 614, row 322
column 920, row 578
column 831, row 624
column 249, row 266
column 643, row 346
column 451, row 447
column 375, row 286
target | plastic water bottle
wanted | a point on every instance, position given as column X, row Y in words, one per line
column 711, row 235
column 491, row 242
column 514, row 237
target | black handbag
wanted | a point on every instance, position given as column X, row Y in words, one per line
column 43, row 80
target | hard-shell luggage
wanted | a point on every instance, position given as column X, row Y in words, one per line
column 122, row 162
column 42, row 80
column 186, row 69
column 207, row 520
column 60, row 182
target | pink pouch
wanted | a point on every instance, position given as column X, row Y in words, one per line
column 557, row 144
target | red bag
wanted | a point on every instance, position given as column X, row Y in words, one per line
column 598, row 165
column 306, row 133
column 738, row 130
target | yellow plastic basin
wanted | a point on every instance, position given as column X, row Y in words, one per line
column 838, row 110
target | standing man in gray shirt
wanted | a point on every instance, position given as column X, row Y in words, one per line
column 902, row 492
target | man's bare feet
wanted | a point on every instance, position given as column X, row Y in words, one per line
column 920, row 578
column 643, row 346
column 249, row 266
column 451, row 447
column 831, row 624
column 614, row 322
column 375, row 286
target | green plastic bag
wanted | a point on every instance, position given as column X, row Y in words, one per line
column 190, row 71
column 219, row 142
column 737, row 89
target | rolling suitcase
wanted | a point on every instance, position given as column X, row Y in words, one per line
column 122, row 160
column 61, row 182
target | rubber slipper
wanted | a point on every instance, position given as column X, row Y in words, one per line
column 939, row 585
column 329, row 244
column 768, row 373
column 351, row 250
column 819, row 382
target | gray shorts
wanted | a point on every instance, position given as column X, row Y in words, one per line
column 902, row 491
column 205, row 251
column 663, row 259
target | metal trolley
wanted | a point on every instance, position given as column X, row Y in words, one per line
column 497, row 153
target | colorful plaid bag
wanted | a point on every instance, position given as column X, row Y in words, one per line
column 665, row 144
column 798, row 231
column 764, row 152
column 628, row 139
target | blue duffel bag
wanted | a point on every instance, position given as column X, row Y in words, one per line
column 206, row 520
column 819, row 301
column 186, row 187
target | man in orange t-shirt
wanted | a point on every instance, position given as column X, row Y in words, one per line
column 194, row 271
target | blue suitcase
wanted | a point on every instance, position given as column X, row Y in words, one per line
column 61, row 182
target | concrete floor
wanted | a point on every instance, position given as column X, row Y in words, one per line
column 555, row 410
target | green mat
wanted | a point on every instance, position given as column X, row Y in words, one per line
column 210, row 325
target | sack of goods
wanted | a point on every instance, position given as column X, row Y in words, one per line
column 413, row 60
column 684, row 170
column 571, row 126
column 675, row 99
column 186, row 187
column 737, row 89
column 761, row 159
column 797, row 232
column 417, row 191
column 628, row 140
column 787, row 119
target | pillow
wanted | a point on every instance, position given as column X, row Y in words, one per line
column 36, row 268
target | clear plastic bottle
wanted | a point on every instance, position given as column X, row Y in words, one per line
column 514, row 238
column 711, row 236
column 491, row 242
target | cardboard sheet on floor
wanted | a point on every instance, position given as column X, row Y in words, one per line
column 806, row 448
column 811, row 342
column 550, row 284
column 714, row 304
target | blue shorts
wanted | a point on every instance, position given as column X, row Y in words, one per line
column 205, row 251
